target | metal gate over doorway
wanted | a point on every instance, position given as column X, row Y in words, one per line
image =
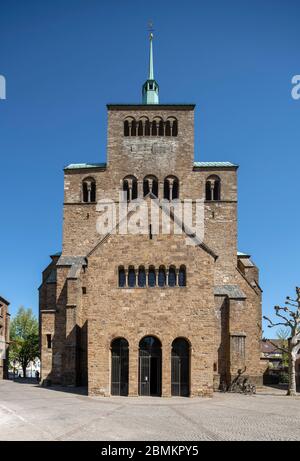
column 119, row 367
column 180, row 368
column 150, row 366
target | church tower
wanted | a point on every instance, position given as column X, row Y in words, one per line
column 154, row 311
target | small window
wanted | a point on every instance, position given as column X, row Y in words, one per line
column 168, row 128
column 84, row 290
column 182, row 277
column 152, row 277
column 89, row 190
column 172, row 277
column 161, row 277
column 142, row 277
column 122, row 277
column 126, row 128
column 140, row 128
column 213, row 188
column 175, row 128
column 161, row 130
column 154, row 128
column 49, row 341
column 131, row 278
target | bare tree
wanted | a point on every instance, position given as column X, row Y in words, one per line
column 290, row 318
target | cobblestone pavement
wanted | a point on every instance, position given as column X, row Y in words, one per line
column 29, row 412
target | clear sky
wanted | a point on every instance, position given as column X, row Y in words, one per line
column 63, row 60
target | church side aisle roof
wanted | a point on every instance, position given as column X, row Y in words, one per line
column 75, row 166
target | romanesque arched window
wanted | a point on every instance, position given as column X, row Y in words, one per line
column 142, row 277
column 154, row 128
column 161, row 277
column 131, row 277
column 89, row 190
column 172, row 277
column 171, row 188
column 147, row 128
column 150, row 186
column 182, row 276
column 133, row 128
column 140, row 128
column 213, row 188
column 126, row 128
column 161, row 129
column 130, row 188
column 122, row 277
column 151, row 277
column 175, row 128
column 168, row 128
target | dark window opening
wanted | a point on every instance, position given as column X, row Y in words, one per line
column 154, row 128
column 161, row 128
column 133, row 128
column 89, row 190
column 49, row 341
column 150, row 185
column 175, row 128
column 147, row 128
column 122, row 277
column 142, row 277
column 168, row 128
column 131, row 278
column 172, row 277
column 182, row 277
column 126, row 128
column 161, row 277
column 84, row 290
column 151, row 277
column 140, row 128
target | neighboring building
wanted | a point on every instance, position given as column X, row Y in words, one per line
column 150, row 313
column 16, row 370
column 271, row 354
column 4, row 338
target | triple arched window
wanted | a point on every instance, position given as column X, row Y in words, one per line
column 213, row 188
column 151, row 186
column 89, row 190
column 151, row 276
column 155, row 127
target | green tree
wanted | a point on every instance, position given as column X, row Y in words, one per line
column 24, row 338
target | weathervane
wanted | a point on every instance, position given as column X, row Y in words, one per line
column 150, row 28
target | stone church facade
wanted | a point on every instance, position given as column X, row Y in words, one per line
column 150, row 313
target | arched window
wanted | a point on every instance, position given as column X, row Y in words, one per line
column 162, row 277
column 151, row 277
column 131, row 277
column 172, row 277
column 180, row 367
column 154, row 128
column 175, row 128
column 89, row 190
column 133, row 128
column 126, row 128
column 150, row 185
column 122, row 277
column 171, row 188
column 140, row 128
column 147, row 128
column 119, row 366
column 161, row 130
column 130, row 187
column 182, row 276
column 142, row 277
column 213, row 188
column 168, row 128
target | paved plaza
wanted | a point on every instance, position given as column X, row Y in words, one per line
column 30, row 412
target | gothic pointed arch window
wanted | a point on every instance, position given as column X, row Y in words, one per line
column 213, row 188
column 150, row 185
column 89, row 190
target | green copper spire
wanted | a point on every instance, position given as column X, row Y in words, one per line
column 150, row 87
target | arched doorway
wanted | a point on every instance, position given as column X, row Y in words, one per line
column 119, row 366
column 150, row 366
column 180, row 369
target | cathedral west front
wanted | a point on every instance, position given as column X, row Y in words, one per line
column 160, row 312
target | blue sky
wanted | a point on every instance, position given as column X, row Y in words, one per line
column 63, row 60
